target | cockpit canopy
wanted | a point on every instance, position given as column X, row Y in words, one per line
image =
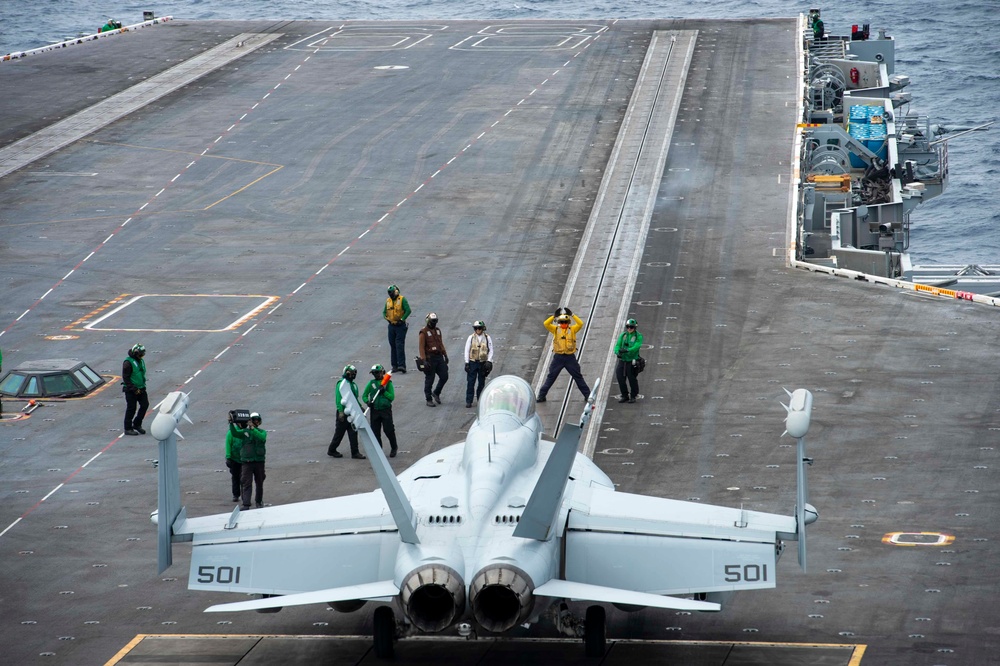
column 510, row 395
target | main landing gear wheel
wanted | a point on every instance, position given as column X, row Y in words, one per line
column 594, row 632
column 385, row 631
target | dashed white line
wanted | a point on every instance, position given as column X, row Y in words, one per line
column 383, row 217
column 401, row 203
column 175, row 178
column 248, row 330
column 126, row 221
column 451, row 160
column 321, row 270
column 230, row 128
column 242, row 117
column 192, row 162
column 68, row 274
column 467, row 147
column 108, row 238
column 195, row 374
column 287, row 76
column 87, row 257
column 432, row 175
column 22, row 314
column 481, row 135
column 220, row 354
column 218, row 140
column 165, row 189
column 532, row 92
column 264, row 97
column 9, row 527
column 419, row 187
column 509, row 111
column 299, row 287
column 276, row 87
column 543, row 82
column 344, row 250
column 364, row 234
column 95, row 457
column 255, row 106
column 46, row 294
column 495, row 123
column 143, row 205
column 52, row 492
column 275, row 308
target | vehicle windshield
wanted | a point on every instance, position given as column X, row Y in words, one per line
column 508, row 394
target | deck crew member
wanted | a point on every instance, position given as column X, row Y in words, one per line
column 378, row 395
column 396, row 311
column 627, row 350
column 252, row 444
column 564, row 329
column 433, row 354
column 134, row 387
column 342, row 427
column 478, row 360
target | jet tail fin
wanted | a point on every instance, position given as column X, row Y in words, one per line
column 797, row 421
column 171, row 410
column 540, row 513
column 399, row 505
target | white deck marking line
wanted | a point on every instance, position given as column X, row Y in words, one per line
column 245, row 333
column 299, row 287
column 220, row 354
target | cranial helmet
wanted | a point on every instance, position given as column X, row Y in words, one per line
column 350, row 372
column 479, row 324
column 633, row 323
column 563, row 319
column 392, row 288
column 256, row 416
column 137, row 349
column 431, row 316
column 377, row 368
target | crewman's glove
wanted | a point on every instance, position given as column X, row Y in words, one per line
column 466, row 367
column 567, row 311
column 341, row 417
column 446, row 360
column 487, row 368
column 371, row 404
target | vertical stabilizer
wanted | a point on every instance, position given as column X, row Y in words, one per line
column 799, row 410
column 169, row 509
column 399, row 505
column 539, row 516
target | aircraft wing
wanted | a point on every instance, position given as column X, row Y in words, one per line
column 287, row 549
column 662, row 546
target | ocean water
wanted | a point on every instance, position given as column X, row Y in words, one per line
column 949, row 50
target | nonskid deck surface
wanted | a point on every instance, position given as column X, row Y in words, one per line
column 244, row 228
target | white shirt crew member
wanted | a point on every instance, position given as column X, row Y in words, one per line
column 474, row 346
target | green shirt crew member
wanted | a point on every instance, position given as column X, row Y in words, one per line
column 134, row 386
column 396, row 311
column 343, row 427
column 251, row 442
column 627, row 350
column 378, row 395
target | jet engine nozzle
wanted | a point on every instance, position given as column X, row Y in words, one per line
column 433, row 597
column 502, row 597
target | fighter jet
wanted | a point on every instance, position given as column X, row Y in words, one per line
column 484, row 535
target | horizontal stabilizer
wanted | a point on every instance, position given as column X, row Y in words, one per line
column 377, row 590
column 565, row 589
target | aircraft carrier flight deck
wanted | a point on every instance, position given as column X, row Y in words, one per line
column 236, row 196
